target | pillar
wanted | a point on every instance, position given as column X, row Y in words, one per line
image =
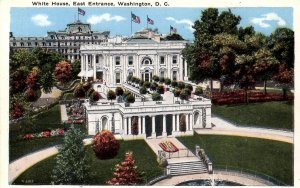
column 187, row 122
column 185, row 70
column 177, row 122
column 125, row 125
column 153, row 127
column 173, row 123
column 129, row 126
column 191, row 121
column 140, row 125
column 86, row 65
column 144, row 125
column 94, row 66
column 82, row 63
column 164, row 133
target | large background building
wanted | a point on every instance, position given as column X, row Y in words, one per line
column 67, row 41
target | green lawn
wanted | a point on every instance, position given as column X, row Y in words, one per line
column 276, row 115
column 273, row 158
column 47, row 120
column 101, row 170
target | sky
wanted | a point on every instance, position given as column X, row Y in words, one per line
column 117, row 20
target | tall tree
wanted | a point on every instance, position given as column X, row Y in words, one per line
column 71, row 162
column 63, row 71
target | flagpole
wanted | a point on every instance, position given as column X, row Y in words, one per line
column 170, row 29
column 131, row 24
column 147, row 22
column 77, row 14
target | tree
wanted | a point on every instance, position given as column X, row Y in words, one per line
column 17, row 81
column 31, row 94
column 285, row 77
column 147, row 84
column 32, row 79
column 173, row 36
column 180, row 85
column 143, row 90
column 17, row 110
column 79, row 91
column 76, row 68
column 155, row 78
column 63, row 71
column 153, row 86
column 105, row 145
column 177, row 93
column 174, row 84
column 47, row 82
column 71, row 162
column 184, row 95
column 111, row 95
column 189, row 86
column 182, row 123
column 126, row 172
column 95, row 96
column 130, row 98
column 119, row 91
column 23, row 58
column 167, row 81
column 198, row 91
column 160, row 89
column 161, row 79
column 156, row 97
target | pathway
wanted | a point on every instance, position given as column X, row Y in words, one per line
column 20, row 165
column 63, row 113
column 223, row 127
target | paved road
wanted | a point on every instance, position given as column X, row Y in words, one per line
column 223, row 127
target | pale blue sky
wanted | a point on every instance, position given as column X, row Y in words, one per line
column 37, row 21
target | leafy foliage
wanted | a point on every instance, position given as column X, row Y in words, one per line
column 198, row 90
column 153, row 86
column 63, row 71
column 105, row 145
column 143, row 90
column 130, row 98
column 111, row 95
column 167, row 81
column 160, row 89
column 156, row 97
column 125, row 172
column 147, row 84
column 95, row 96
column 79, row 91
column 71, row 162
column 76, row 68
column 155, row 78
column 119, row 91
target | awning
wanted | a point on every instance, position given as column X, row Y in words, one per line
column 82, row 73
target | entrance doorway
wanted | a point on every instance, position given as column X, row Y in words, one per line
column 99, row 76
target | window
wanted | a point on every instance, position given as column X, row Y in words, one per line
column 14, row 44
column 130, row 60
column 174, row 59
column 174, row 75
column 130, row 73
column 117, row 60
column 162, row 74
column 49, row 43
column 118, row 80
column 44, row 44
column 29, row 43
column 147, row 61
column 36, row 43
column 22, row 44
column 162, row 59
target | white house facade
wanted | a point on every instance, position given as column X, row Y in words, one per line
column 143, row 56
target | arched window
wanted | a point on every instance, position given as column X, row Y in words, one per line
column 146, row 61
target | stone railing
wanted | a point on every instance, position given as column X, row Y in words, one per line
column 200, row 153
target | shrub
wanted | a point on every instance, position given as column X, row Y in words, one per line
column 17, row 110
column 32, row 79
column 63, row 71
column 137, row 80
column 161, row 79
column 153, row 86
column 111, row 95
column 188, row 91
column 167, row 81
column 86, row 86
column 176, row 92
column 31, row 95
column 156, row 97
column 130, row 98
column 174, row 84
column 126, row 172
column 105, row 145
column 147, row 84
column 155, row 78
column 79, row 91
column 141, row 83
column 198, row 90
column 161, row 89
column 119, row 91
column 17, row 81
column 180, row 85
column 95, row 96
column 189, row 86
column 133, row 79
column 143, row 90
column 184, row 95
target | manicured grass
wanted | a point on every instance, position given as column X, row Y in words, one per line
column 47, row 120
column 69, row 96
column 275, row 115
column 269, row 157
column 101, row 170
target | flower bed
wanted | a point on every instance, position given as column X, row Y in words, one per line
column 72, row 121
column 46, row 133
column 168, row 146
column 238, row 96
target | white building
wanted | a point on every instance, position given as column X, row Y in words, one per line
column 143, row 56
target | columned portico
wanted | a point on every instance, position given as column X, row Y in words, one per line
column 153, row 127
column 164, row 126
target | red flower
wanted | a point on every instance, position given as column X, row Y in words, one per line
column 60, row 131
column 46, row 133
column 27, row 136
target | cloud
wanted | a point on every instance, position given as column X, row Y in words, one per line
column 186, row 22
column 106, row 17
column 262, row 21
column 41, row 20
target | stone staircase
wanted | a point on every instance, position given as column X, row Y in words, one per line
column 188, row 167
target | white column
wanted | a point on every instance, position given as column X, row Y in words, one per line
column 125, row 125
column 187, row 122
column 94, row 66
column 144, row 125
column 82, row 63
column 86, row 65
column 164, row 133
column 129, row 126
column 140, row 125
column 185, row 70
column 173, row 123
column 177, row 122
column 153, row 127
column 190, row 122
column 180, row 76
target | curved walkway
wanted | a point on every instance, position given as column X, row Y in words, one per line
column 223, row 127
column 20, row 165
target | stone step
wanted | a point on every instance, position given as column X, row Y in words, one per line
column 187, row 168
